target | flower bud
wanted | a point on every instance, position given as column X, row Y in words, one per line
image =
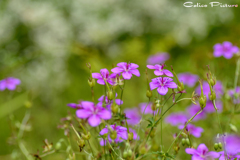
column 113, row 135
column 212, row 95
column 187, row 142
column 125, row 154
column 202, row 101
column 28, row 104
column 216, row 146
column 220, row 145
column 176, row 149
column 202, row 98
column 130, row 136
column 110, row 95
column 142, row 150
column 183, row 141
column 114, row 108
column 180, row 84
column 212, row 81
column 58, row 145
column 129, row 153
column 86, row 137
column 91, row 83
column 81, row 143
column 149, row 93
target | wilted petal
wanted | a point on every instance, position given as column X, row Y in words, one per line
column 94, row 120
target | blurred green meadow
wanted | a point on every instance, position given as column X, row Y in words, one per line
column 46, row 44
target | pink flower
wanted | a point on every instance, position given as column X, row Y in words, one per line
column 162, row 83
column 93, row 113
column 226, row 49
column 176, row 118
column 122, row 134
column 103, row 75
column 201, row 153
column 133, row 116
column 159, row 71
column 188, row 78
column 9, row 83
column 193, row 130
column 232, row 146
column 127, row 69
column 158, row 58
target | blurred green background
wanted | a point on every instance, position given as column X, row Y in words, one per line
column 47, row 43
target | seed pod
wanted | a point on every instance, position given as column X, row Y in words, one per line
column 86, row 137
column 114, row 108
column 187, row 142
column 130, row 136
column 216, row 146
column 212, row 96
column 125, row 154
column 91, row 83
column 129, row 153
column 110, row 95
column 113, row 135
column 58, row 145
column 183, row 141
column 149, row 93
column 220, row 145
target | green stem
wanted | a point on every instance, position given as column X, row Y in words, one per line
column 161, row 130
column 162, row 116
column 141, row 122
column 91, row 148
column 24, row 150
column 48, row 153
column 114, row 150
column 184, row 99
column 24, row 122
column 183, row 129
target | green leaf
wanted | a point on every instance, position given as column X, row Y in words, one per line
column 13, row 104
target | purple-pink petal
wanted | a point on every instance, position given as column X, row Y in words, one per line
column 162, row 90
column 127, row 75
column 94, row 120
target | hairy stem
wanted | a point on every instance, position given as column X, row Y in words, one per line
column 183, row 129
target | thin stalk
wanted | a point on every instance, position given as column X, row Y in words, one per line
column 114, row 150
column 48, row 153
column 161, row 130
column 92, row 92
column 183, row 129
column 162, row 116
column 24, row 122
column 141, row 122
column 24, row 150
column 91, row 148
column 122, row 95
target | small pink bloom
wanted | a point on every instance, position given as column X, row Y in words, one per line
column 159, row 71
column 226, row 49
column 193, row 130
column 158, row 58
column 162, row 83
column 201, row 153
column 103, row 75
column 127, row 69
column 9, row 83
column 93, row 113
